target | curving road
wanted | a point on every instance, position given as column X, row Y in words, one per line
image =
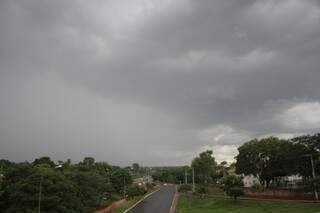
column 159, row 202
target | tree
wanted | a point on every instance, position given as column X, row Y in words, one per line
column 311, row 146
column 222, row 169
column 233, row 186
column 173, row 174
column 90, row 186
column 81, row 187
column 312, row 142
column 43, row 160
column 88, row 161
column 58, row 193
column 135, row 190
column 268, row 158
column 135, row 167
column 104, row 169
column 205, row 167
column 121, row 179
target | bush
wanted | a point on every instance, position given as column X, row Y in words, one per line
column 233, row 186
column 202, row 189
column 235, row 192
column 150, row 185
column 135, row 190
column 185, row 188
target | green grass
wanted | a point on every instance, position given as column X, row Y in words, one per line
column 192, row 204
column 127, row 204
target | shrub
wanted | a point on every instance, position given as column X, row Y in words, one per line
column 233, row 186
column 135, row 190
column 202, row 189
column 150, row 185
column 235, row 192
column 185, row 188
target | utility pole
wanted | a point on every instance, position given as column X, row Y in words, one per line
column 40, row 190
column 193, row 186
column 314, row 176
column 185, row 176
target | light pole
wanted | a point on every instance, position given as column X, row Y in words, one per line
column 193, row 186
column 314, row 176
column 185, row 176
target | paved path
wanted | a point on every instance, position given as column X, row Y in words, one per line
column 159, row 202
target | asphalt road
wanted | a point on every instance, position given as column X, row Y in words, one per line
column 159, row 202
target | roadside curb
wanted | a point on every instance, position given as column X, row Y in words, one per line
column 174, row 202
column 142, row 199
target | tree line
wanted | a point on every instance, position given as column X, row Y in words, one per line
column 63, row 187
column 271, row 158
column 268, row 159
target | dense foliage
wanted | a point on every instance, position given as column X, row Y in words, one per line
column 233, row 186
column 66, row 187
column 205, row 167
column 174, row 174
column 271, row 157
column 185, row 188
column 136, row 190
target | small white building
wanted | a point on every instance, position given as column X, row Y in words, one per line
column 250, row 180
column 290, row 181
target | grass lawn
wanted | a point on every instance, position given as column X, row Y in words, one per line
column 192, row 204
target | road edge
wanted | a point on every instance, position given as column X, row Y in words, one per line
column 142, row 199
column 174, row 201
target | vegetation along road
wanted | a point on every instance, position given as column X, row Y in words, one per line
column 159, row 202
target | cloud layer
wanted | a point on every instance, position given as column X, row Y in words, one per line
column 155, row 82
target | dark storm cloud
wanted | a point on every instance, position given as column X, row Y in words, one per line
column 170, row 78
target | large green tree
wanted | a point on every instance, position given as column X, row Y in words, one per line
column 80, row 187
column 205, row 167
column 268, row 158
column 121, row 179
column 58, row 194
column 43, row 160
column 311, row 145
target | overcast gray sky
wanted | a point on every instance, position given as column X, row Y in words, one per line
column 155, row 82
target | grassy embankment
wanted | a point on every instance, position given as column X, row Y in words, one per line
column 187, row 204
column 127, row 204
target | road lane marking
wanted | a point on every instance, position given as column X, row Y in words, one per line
column 142, row 199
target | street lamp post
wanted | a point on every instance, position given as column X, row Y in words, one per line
column 314, row 176
column 185, row 176
column 193, row 186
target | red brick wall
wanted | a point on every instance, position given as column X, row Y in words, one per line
column 294, row 194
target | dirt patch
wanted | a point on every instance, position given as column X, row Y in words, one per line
column 111, row 207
